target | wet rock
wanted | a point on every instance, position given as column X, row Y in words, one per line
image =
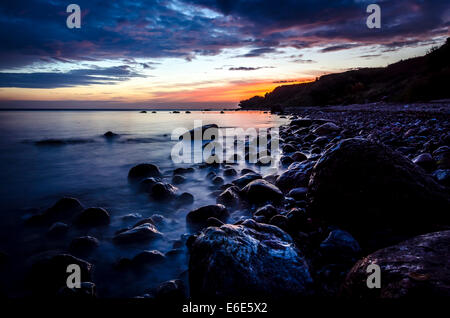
column 288, row 148
column 147, row 258
column 229, row 172
column 326, row 129
column 172, row 290
column 144, row 170
column 260, row 191
column 185, row 198
column 298, row 156
column 249, row 259
column 147, row 184
column 92, row 217
column 339, row 244
column 198, row 132
column 178, row 179
column 200, row 216
column 286, row 160
column 163, row 191
column 358, row 179
column 298, row 193
column 418, row 268
column 442, row 176
column 213, row 222
column 217, row 180
column 58, row 229
column 280, row 221
column 64, row 208
column 246, row 179
column 246, row 170
column 48, row 272
column 267, row 211
column 139, row 234
column 229, row 197
column 296, row 176
column 83, row 245
column 425, row 161
column 110, row 135
column 296, row 220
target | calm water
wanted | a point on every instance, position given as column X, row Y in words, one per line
column 94, row 170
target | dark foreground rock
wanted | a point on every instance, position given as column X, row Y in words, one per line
column 138, row 234
column 369, row 190
column 92, row 217
column 48, row 272
column 418, row 268
column 65, row 208
column 250, row 259
column 260, row 191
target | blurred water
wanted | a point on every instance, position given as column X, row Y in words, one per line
column 94, row 170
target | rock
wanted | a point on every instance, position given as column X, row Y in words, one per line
column 298, row 193
column 260, row 191
column 172, row 290
column 280, row 221
column 298, row 156
column 217, row 180
column 147, row 184
column 326, row 129
column 296, row 220
column 200, row 216
column 296, row 176
column 288, row 148
column 87, row 290
column 425, row 161
column 249, row 259
column 339, row 243
column 197, row 133
column 139, row 234
column 267, row 211
column 83, row 245
column 286, row 160
column 229, row 172
column 178, row 179
column 246, row 170
column 58, row 229
column 48, row 272
column 229, row 197
column 144, row 170
column 110, row 134
column 214, row 222
column 146, row 258
column 359, row 179
column 185, row 198
column 93, row 217
column 246, row 179
column 418, row 268
column 64, row 208
column 442, row 176
column 163, row 191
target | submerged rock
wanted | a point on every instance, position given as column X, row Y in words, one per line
column 64, row 208
column 139, row 234
column 172, row 290
column 249, row 259
column 368, row 189
column 93, row 217
column 58, row 229
column 418, row 268
column 144, row 170
column 161, row 191
column 83, row 245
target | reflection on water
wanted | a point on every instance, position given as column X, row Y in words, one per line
column 45, row 155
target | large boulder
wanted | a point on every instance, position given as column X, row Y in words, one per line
column 260, row 191
column 250, row 259
column 229, row 197
column 246, row 179
column 92, row 217
column 419, row 268
column 161, row 191
column 372, row 191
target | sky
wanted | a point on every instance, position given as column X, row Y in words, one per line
column 197, row 53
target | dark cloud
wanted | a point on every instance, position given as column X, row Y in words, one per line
column 77, row 77
column 34, row 31
column 244, row 68
column 338, row 47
